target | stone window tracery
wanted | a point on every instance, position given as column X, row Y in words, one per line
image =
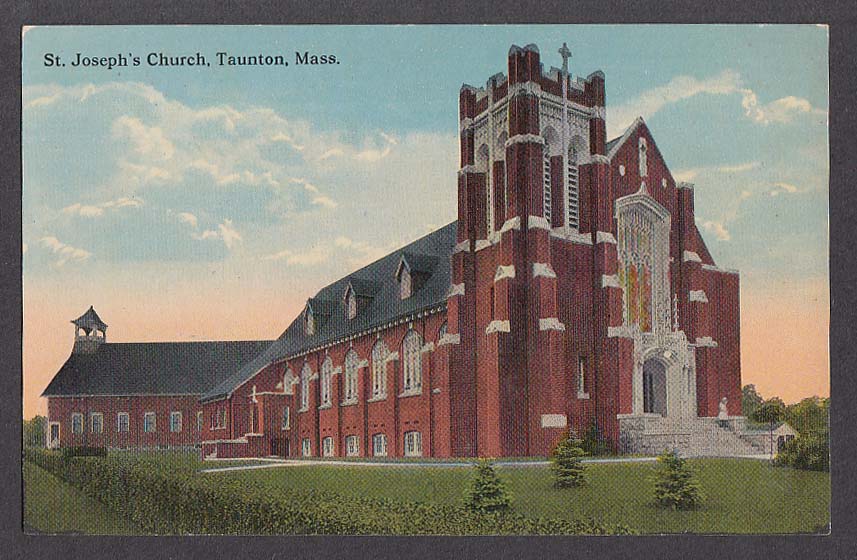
column 326, row 377
column 352, row 361
column 412, row 361
column 379, row 369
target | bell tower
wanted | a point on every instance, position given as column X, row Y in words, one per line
column 89, row 332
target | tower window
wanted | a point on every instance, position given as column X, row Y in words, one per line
column 582, row 381
column 644, row 167
column 573, row 190
column 546, row 170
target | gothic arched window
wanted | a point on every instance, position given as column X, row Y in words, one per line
column 306, row 374
column 643, row 148
column 351, row 304
column 572, row 202
column 379, row 369
column 412, row 361
column 441, row 332
column 326, row 377
column 352, row 362
column 309, row 322
column 288, row 380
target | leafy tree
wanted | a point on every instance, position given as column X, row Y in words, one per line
column 809, row 416
column 34, row 431
column 487, row 493
column 808, row 452
column 770, row 412
column 568, row 470
column 750, row 400
column 675, row 484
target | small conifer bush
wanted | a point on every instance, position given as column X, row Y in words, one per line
column 568, row 470
column 487, row 493
column 675, row 484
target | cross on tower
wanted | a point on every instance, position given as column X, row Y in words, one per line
column 565, row 53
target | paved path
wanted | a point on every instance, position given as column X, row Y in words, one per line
column 275, row 463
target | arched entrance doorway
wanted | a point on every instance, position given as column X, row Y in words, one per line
column 655, row 387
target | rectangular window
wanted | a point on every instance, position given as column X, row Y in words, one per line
column 149, row 423
column 77, row 423
column 352, row 446
column 96, row 422
column 582, row 386
column 199, row 421
column 379, row 445
column 122, row 422
column 286, row 418
column 306, row 448
column 221, row 418
column 327, row 447
column 175, row 422
column 413, row 444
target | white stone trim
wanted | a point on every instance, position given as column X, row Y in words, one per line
column 610, row 281
column 714, row 268
column 604, row 237
column 684, row 185
column 510, row 224
column 455, row 290
column 582, row 396
column 411, row 393
column 468, row 169
column 377, row 398
column 498, row 326
column 628, row 131
column 619, row 332
column 482, row 244
column 465, row 123
column 698, row 295
column 462, row 247
column 690, row 256
column 427, row 347
column 349, row 402
column 539, row 222
column 336, row 370
column 529, row 87
column 449, row 338
column 705, row 342
column 361, row 364
column 599, row 113
column 551, row 324
column 525, row 139
column 544, row 270
column 504, row 272
column 568, row 234
column 237, row 440
column 554, row 420
column 435, row 391
column 392, row 357
column 598, row 158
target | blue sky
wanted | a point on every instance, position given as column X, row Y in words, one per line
column 267, row 183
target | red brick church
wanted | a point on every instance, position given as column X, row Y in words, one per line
column 573, row 290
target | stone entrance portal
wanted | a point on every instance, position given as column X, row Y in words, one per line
column 655, row 387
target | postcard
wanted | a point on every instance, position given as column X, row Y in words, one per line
column 447, row 280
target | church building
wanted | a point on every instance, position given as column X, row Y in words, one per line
column 574, row 290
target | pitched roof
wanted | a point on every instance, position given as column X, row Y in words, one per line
column 90, row 319
column 152, row 368
column 385, row 306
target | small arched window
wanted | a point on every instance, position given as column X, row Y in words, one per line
column 379, row 369
column 412, row 361
column 643, row 148
column 306, row 374
column 288, row 381
column 326, row 377
column 352, row 361
column 405, row 284
column 441, row 332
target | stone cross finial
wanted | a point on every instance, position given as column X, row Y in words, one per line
column 565, row 53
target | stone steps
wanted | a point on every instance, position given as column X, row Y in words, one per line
column 692, row 437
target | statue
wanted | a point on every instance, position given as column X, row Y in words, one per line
column 722, row 414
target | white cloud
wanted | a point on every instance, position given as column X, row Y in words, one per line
column 64, row 252
column 783, row 188
column 324, row 201
column 225, row 231
column 188, row 218
column 316, row 255
column 95, row 210
column 690, row 174
column 149, row 142
column 228, row 234
column 718, row 229
column 728, row 82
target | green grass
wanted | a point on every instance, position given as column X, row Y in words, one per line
column 740, row 496
column 52, row 506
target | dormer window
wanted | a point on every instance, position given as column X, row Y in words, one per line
column 351, row 304
column 405, row 286
column 309, row 322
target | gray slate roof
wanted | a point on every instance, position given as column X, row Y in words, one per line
column 432, row 252
column 152, row 368
column 612, row 143
column 90, row 319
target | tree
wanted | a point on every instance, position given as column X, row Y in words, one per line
column 568, row 470
column 594, row 442
column 34, row 431
column 487, row 493
column 675, row 484
column 770, row 412
column 750, row 400
column 809, row 416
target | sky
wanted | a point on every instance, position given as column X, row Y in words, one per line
column 209, row 202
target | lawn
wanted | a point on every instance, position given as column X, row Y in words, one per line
column 52, row 506
column 741, row 495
